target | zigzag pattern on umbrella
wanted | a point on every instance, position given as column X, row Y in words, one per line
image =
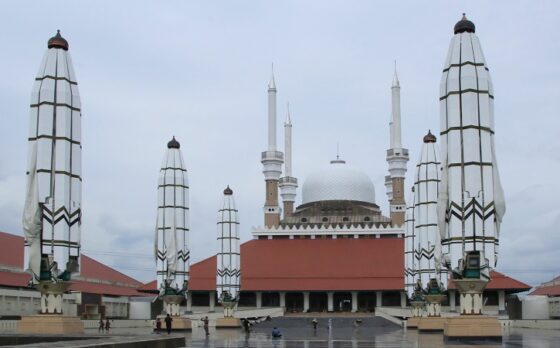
column 228, row 272
column 473, row 207
column 424, row 253
column 185, row 256
column 161, row 254
column 62, row 214
column 409, row 272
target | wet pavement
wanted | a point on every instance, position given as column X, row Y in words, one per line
column 345, row 333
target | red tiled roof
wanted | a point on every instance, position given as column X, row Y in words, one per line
column 104, row 289
column 93, row 269
column 499, row 281
column 14, row 279
column 12, row 250
column 550, row 288
column 95, row 277
column 149, row 287
column 553, row 290
column 312, row 264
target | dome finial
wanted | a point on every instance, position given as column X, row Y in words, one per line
column 464, row 25
column 58, row 41
column 228, row 191
column 429, row 138
column 173, row 144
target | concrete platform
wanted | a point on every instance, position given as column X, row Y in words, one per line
column 228, row 323
column 472, row 327
column 50, row 324
column 427, row 324
column 178, row 324
column 412, row 323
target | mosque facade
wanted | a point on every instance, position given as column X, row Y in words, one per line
column 337, row 251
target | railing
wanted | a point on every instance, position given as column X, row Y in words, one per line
column 288, row 180
column 272, row 155
column 399, row 152
column 8, row 326
column 119, row 323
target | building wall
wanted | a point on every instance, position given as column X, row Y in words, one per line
column 18, row 302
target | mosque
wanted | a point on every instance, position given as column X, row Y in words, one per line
column 336, row 251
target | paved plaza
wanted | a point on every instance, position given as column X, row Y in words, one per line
column 373, row 332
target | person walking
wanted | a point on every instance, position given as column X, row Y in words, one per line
column 158, row 325
column 101, row 326
column 314, row 322
column 205, row 320
column 168, row 321
column 107, row 325
column 330, row 324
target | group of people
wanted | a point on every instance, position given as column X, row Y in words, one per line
column 104, row 325
column 168, row 320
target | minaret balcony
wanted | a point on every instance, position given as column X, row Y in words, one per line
column 272, row 156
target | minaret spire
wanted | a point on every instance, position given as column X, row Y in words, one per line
column 288, row 184
column 397, row 157
column 272, row 161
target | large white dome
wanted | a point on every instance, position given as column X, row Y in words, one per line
column 337, row 182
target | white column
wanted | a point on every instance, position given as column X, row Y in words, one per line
column 272, row 115
column 378, row 299
column 305, row 301
column 330, row 304
column 283, row 299
column 189, row 302
column 212, row 301
column 396, row 114
column 354, row 301
column 288, row 146
column 403, row 299
column 501, row 301
column 259, row 299
column 452, row 304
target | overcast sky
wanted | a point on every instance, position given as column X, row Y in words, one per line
column 150, row 70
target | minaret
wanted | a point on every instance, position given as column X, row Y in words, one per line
column 272, row 162
column 172, row 228
column 471, row 200
column 397, row 157
column 53, row 206
column 228, row 262
column 288, row 184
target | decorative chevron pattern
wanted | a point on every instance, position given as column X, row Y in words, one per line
column 423, row 253
column 234, row 273
column 472, row 208
column 62, row 214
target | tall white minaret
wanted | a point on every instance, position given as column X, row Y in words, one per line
column 397, row 157
column 272, row 162
column 288, row 184
column 52, row 213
